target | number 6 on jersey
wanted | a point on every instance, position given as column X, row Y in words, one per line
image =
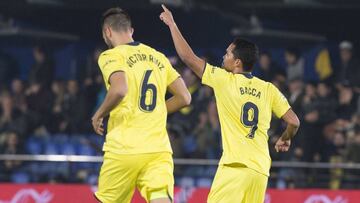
column 144, row 103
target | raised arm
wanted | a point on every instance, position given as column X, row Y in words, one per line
column 183, row 49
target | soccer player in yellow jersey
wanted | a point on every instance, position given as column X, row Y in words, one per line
column 133, row 116
column 245, row 105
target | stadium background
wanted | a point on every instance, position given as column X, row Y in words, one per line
column 50, row 87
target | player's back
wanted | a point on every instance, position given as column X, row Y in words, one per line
column 245, row 104
column 138, row 123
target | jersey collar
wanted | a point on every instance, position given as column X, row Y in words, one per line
column 134, row 43
column 247, row 75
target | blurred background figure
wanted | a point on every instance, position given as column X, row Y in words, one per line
column 42, row 71
column 349, row 70
column 8, row 69
column 73, row 108
column 295, row 64
column 11, row 117
column 268, row 70
column 10, row 145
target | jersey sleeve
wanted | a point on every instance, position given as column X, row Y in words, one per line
column 110, row 63
column 171, row 73
column 280, row 105
column 214, row 76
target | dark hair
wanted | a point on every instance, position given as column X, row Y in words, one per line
column 293, row 51
column 42, row 49
column 247, row 52
column 117, row 19
column 265, row 53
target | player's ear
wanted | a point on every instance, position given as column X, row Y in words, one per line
column 238, row 62
column 131, row 31
column 107, row 31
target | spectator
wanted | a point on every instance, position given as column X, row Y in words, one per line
column 93, row 84
column 73, row 108
column 346, row 102
column 8, row 69
column 353, row 150
column 292, row 177
column 310, row 132
column 42, row 72
column 12, row 145
column 204, row 97
column 215, row 125
column 38, row 95
column 58, row 123
column 193, row 86
column 325, row 104
column 11, row 118
column 207, row 134
column 176, row 141
column 349, row 71
column 187, row 116
column 38, row 99
column 336, row 152
column 295, row 64
column 91, row 71
column 296, row 94
column 268, row 69
column 353, row 156
column 308, row 102
column 18, row 95
column 334, row 147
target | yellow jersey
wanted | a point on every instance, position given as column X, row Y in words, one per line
column 138, row 123
column 245, row 105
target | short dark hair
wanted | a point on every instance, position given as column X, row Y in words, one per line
column 117, row 18
column 247, row 52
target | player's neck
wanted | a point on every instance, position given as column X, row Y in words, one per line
column 122, row 40
column 238, row 70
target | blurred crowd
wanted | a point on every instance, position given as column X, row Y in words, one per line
column 329, row 111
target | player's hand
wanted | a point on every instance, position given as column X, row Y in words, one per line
column 282, row 145
column 166, row 16
column 97, row 123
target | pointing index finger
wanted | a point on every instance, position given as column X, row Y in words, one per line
column 164, row 7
